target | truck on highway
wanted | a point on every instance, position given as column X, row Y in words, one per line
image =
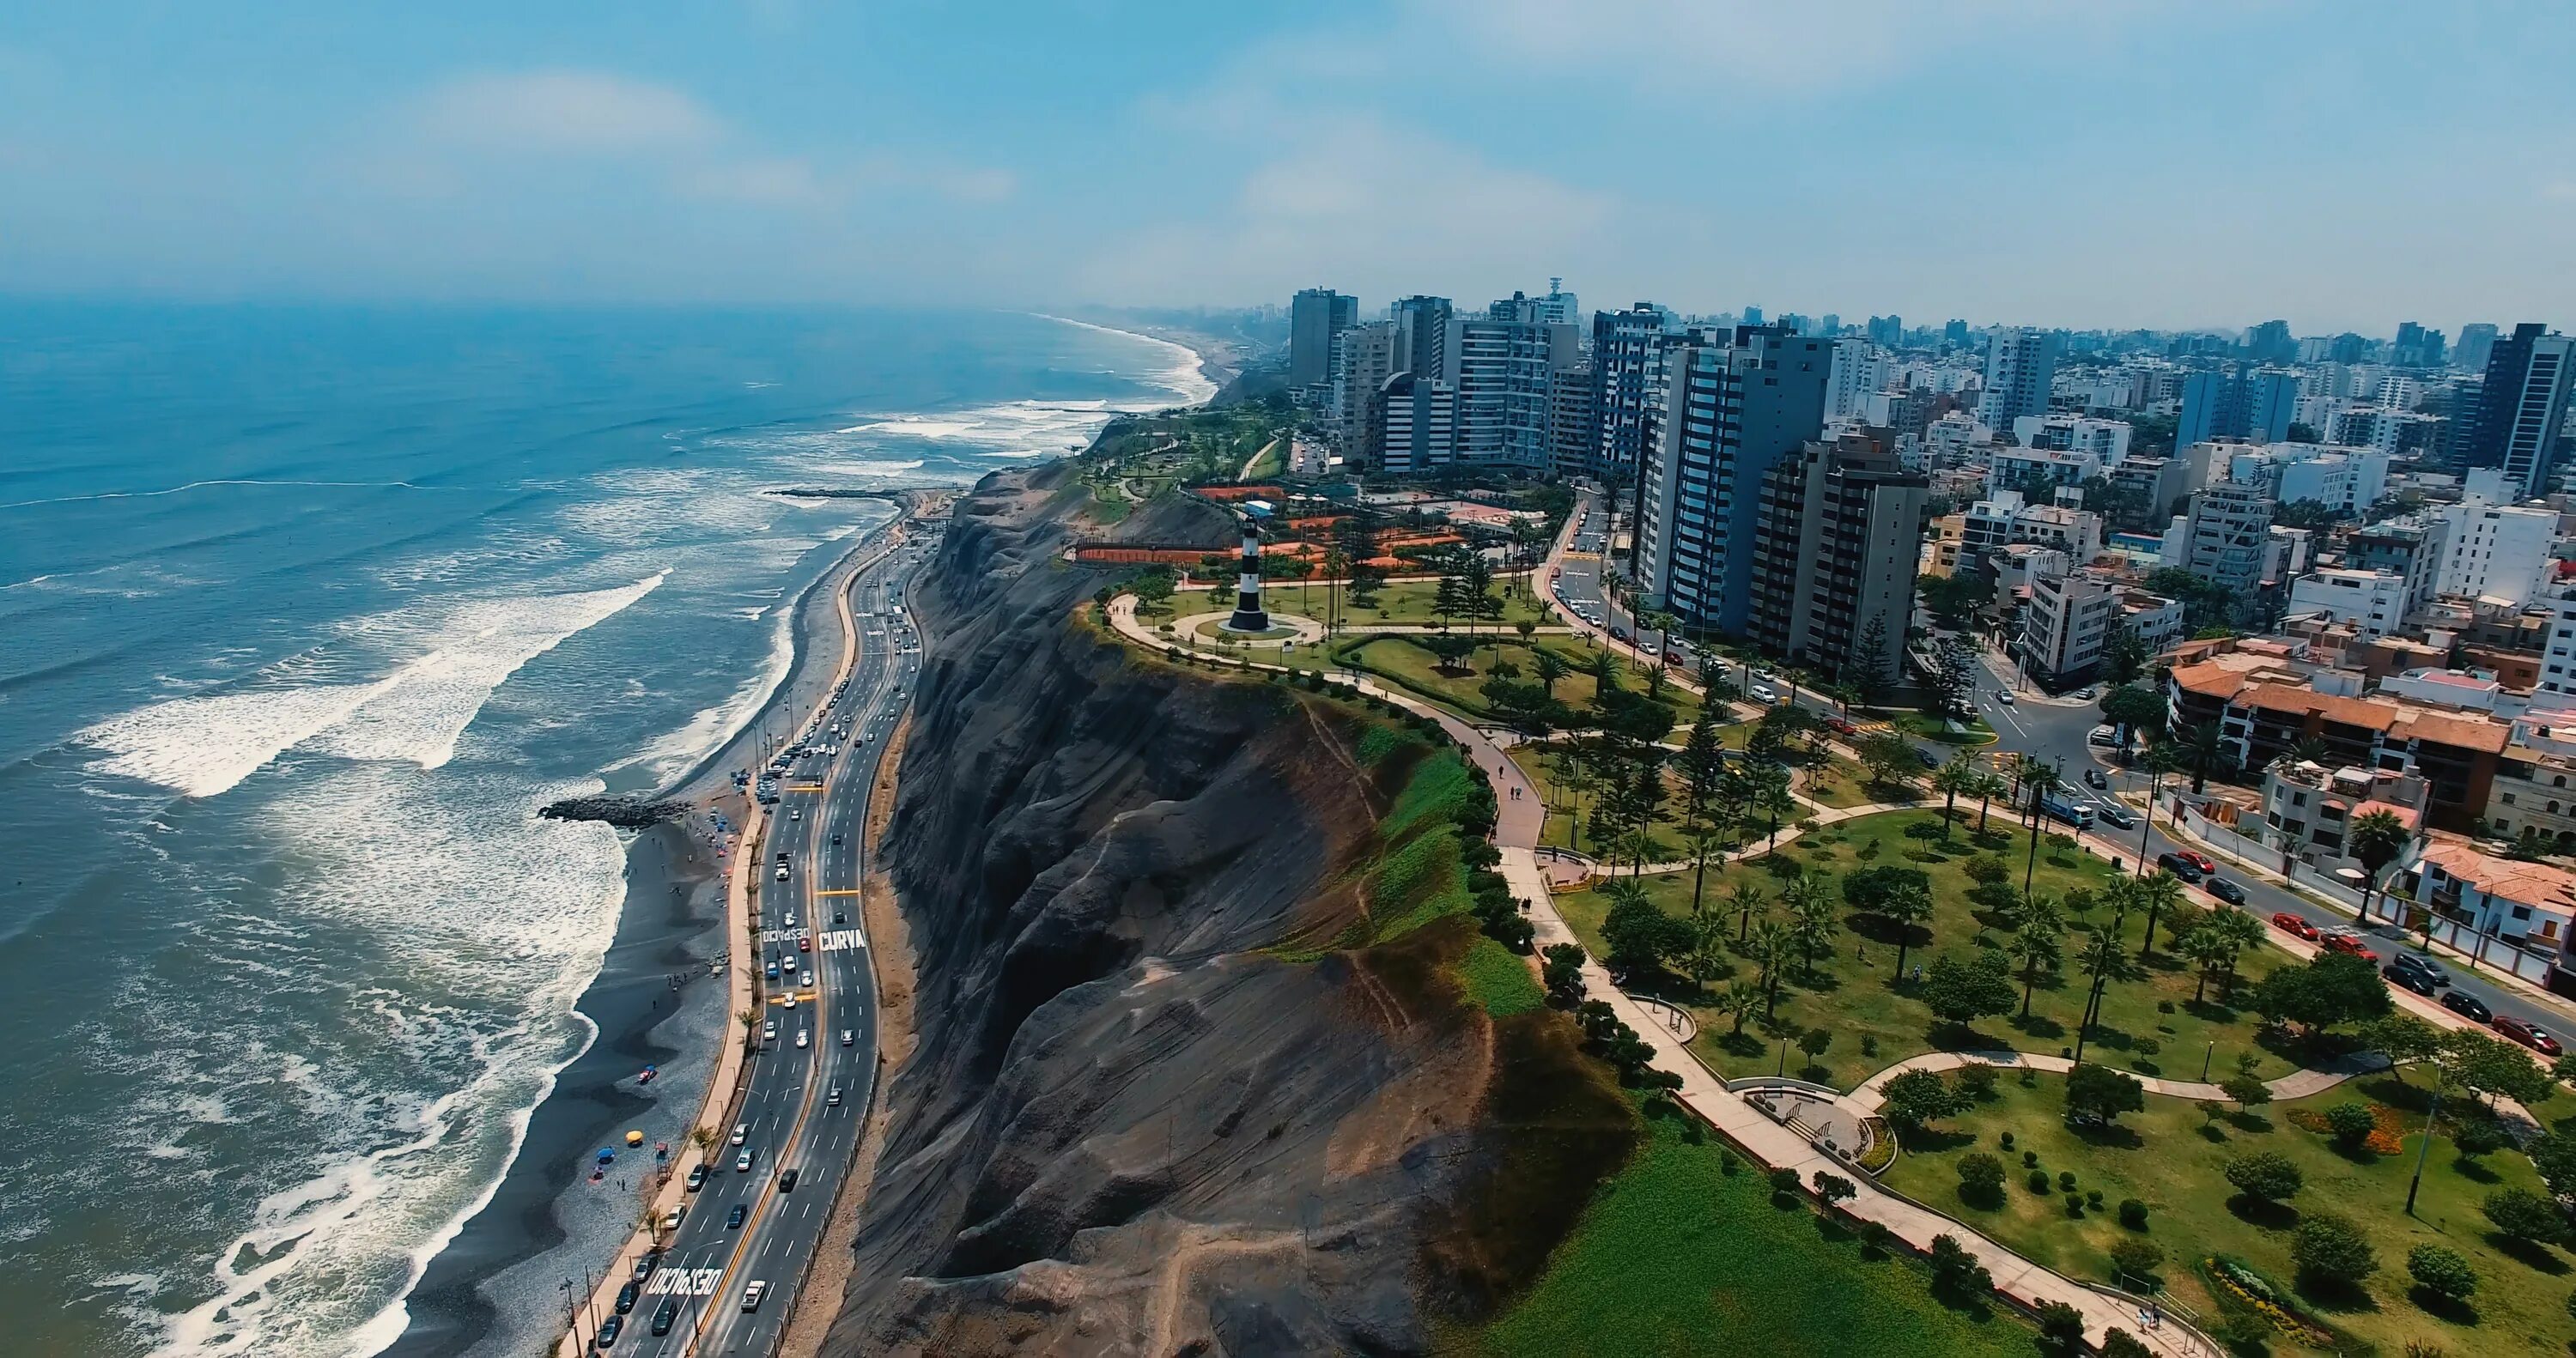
column 2074, row 811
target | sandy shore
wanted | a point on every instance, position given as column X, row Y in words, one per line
column 499, row 1286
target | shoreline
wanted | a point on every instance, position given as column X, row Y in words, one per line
column 495, row 1286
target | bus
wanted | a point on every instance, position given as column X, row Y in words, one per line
column 2073, row 811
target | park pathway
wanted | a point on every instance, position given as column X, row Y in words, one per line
column 1520, row 818
column 2297, row 1084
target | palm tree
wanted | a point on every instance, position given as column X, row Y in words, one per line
column 750, row 1021
column 1989, row 787
column 1773, row 947
column 2164, row 759
column 2041, row 780
column 1746, row 898
column 1739, row 1002
column 2240, row 931
column 1707, row 949
column 2206, row 746
column 2311, row 750
column 2101, row 960
column 1706, row 839
column 1812, row 925
column 2037, row 945
column 1771, row 796
column 1624, row 891
column 2208, row 948
column 2375, row 838
column 1549, row 667
column 1951, row 779
column 1905, row 907
column 2158, row 891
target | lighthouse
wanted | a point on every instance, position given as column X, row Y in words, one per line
column 1248, row 615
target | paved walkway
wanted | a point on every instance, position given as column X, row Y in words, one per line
column 1516, row 834
column 2296, row 1085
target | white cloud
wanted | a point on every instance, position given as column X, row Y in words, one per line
column 566, row 112
column 1361, row 203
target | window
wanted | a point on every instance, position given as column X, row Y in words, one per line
column 2522, row 912
column 2507, row 799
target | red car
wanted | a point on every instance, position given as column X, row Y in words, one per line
column 2350, row 944
column 804, row 945
column 2200, row 861
column 2528, row 1034
column 2293, row 924
column 1841, row 727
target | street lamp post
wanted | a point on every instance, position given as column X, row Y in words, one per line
column 2423, row 1150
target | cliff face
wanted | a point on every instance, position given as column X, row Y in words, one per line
column 1150, row 1112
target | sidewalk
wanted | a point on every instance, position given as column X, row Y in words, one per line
column 2297, row 1084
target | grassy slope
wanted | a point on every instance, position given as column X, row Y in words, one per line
column 2163, row 1158
column 1852, row 998
column 1677, row 1257
column 1405, row 661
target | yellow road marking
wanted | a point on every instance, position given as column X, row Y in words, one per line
column 806, row 787
column 840, row 891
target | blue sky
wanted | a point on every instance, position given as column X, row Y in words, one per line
column 2346, row 165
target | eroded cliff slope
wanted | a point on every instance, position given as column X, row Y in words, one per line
column 1185, row 1084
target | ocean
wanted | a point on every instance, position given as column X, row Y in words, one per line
column 303, row 612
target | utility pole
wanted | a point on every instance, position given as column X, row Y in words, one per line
column 2424, row 1150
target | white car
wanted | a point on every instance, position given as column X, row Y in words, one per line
column 752, row 1293
column 788, row 1001
column 793, row 814
column 805, row 978
column 833, row 1099
column 847, row 1037
column 782, row 872
column 2004, row 696
column 769, row 1031
column 803, row 1038
column 789, row 920
column 741, row 1132
column 671, row 1219
column 742, row 1162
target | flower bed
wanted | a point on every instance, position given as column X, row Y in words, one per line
column 2239, row 1286
column 2387, row 1129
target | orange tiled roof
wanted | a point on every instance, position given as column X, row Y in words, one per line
column 2442, row 728
column 2272, row 697
column 2522, row 883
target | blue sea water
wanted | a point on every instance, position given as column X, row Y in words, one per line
column 303, row 612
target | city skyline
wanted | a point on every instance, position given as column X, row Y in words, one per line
column 2190, row 170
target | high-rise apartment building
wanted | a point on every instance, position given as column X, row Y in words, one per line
column 1502, row 365
column 1422, row 335
column 1573, row 423
column 2498, row 551
column 1418, row 417
column 2243, row 403
column 2476, row 346
column 2516, row 419
column 2021, row 365
column 1860, row 371
column 2226, row 537
column 1315, row 316
column 1628, row 387
column 1838, row 536
column 1363, row 360
column 1733, row 411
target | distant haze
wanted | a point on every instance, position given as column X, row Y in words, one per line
column 2344, row 165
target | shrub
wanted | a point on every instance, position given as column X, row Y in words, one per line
column 2066, row 1181
column 1977, row 1081
column 2005, row 1140
column 1726, row 1161
column 2265, row 1175
column 2332, row 1254
column 1981, row 1174
column 2164, row 1006
column 2478, row 1136
column 1833, row 1188
column 1868, row 1045
column 2351, row 1124
column 2074, row 1204
column 2119, row 1343
column 2524, row 1215
column 2061, row 1328
column 2133, row 1214
column 2030, row 1159
column 1784, row 1181
column 2136, row 1258
column 1957, row 1271
column 2093, row 1198
column 2039, row 1181
column 2148, row 1046
column 2441, row 1272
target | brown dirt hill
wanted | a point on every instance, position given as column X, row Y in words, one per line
column 1148, row 1113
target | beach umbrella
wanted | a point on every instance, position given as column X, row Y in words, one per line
column 635, row 1138
column 606, row 1155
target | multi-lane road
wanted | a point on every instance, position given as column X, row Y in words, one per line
column 747, row 1231
column 2054, row 732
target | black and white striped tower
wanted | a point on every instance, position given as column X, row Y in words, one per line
column 1248, row 615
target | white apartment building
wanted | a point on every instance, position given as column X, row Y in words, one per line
column 2374, row 602
column 1860, row 371
column 2107, row 441
column 2007, row 517
column 2558, row 662
column 2348, row 479
column 1954, row 439
column 2009, row 467
column 2499, row 551
column 2069, row 618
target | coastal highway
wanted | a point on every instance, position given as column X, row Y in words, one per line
column 2054, row 730
column 812, row 927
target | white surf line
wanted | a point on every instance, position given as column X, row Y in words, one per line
column 199, row 485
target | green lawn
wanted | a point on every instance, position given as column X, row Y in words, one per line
column 1677, row 1257
column 1499, row 979
column 2163, row 1158
column 1928, row 727
column 1403, row 660
column 1403, row 602
column 1844, row 783
column 1562, row 801
column 1875, row 1024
